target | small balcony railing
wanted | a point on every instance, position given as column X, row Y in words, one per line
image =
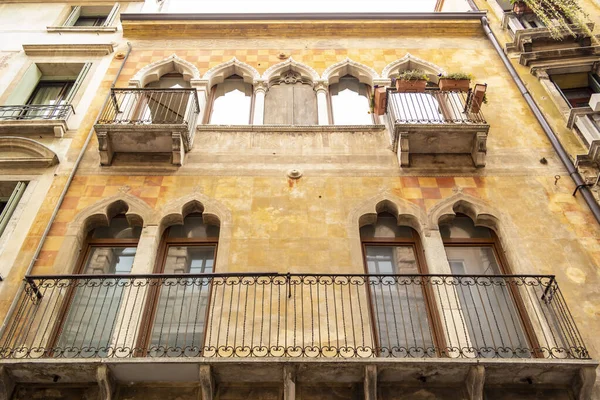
column 35, row 112
column 276, row 315
column 130, row 106
column 432, row 107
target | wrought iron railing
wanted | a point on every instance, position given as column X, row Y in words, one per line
column 276, row 315
column 33, row 112
column 432, row 107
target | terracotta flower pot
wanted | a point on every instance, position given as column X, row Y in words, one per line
column 520, row 8
column 380, row 100
column 477, row 99
column 417, row 86
column 454, row 85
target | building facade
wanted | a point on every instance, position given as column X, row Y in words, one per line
column 250, row 206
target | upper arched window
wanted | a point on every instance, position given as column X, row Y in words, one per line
column 291, row 100
column 231, row 103
column 169, row 102
column 350, row 102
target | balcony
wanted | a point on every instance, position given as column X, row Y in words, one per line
column 143, row 121
column 35, row 119
column 308, row 316
column 436, row 123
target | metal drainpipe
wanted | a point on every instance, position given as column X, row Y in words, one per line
column 558, row 147
column 13, row 305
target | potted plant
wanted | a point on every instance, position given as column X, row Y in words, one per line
column 413, row 80
column 457, row 81
column 478, row 97
column 378, row 100
column 559, row 16
column 520, row 7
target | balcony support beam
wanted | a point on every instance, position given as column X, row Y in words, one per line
column 370, row 384
column 479, row 149
column 106, row 382
column 583, row 384
column 7, row 383
column 178, row 148
column 207, row 382
column 474, row 382
column 104, row 148
column 289, row 382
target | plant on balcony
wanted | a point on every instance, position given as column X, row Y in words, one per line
column 559, row 16
column 457, row 81
column 413, row 80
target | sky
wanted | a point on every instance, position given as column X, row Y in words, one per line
column 290, row 6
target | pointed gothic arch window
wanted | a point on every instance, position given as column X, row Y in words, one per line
column 231, row 102
column 350, row 102
column 291, row 100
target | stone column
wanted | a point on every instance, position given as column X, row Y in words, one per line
column 260, row 89
column 321, row 87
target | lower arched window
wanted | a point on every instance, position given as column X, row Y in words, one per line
column 178, row 297
column 401, row 310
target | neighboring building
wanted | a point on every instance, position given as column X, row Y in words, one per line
column 255, row 217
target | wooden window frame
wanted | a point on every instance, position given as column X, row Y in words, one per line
column 433, row 315
column 151, row 306
column 88, row 244
column 211, row 102
column 374, row 117
column 493, row 242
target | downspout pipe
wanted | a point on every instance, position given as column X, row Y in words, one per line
column 558, row 147
column 63, row 194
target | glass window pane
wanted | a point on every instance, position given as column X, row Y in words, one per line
column 350, row 102
column 391, row 260
column 190, row 260
column 231, row 105
column 109, row 260
column 462, row 227
column 488, row 309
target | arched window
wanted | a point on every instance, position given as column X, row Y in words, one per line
column 291, row 100
column 401, row 310
column 91, row 314
column 492, row 306
column 231, row 103
column 186, row 249
column 350, row 102
column 168, row 102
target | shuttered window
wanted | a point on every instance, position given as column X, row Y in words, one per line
column 291, row 101
column 9, row 201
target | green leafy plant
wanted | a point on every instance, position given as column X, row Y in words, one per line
column 413, row 75
column 485, row 99
column 559, row 16
column 457, row 76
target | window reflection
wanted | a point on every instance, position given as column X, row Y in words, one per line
column 232, row 101
column 350, row 102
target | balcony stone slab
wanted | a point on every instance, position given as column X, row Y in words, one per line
column 41, row 127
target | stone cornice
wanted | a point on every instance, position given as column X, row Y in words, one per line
column 88, row 49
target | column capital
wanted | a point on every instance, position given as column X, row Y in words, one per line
column 321, row 86
column 260, row 86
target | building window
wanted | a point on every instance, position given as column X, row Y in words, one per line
column 492, row 308
column 291, row 100
column 186, row 249
column 168, row 103
column 390, row 249
column 232, row 100
column 91, row 16
column 10, row 195
column 350, row 102
column 45, row 91
column 577, row 88
column 91, row 318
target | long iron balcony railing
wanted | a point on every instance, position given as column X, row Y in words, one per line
column 432, row 107
column 285, row 315
column 34, row 112
column 131, row 106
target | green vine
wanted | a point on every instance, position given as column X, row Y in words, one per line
column 559, row 16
